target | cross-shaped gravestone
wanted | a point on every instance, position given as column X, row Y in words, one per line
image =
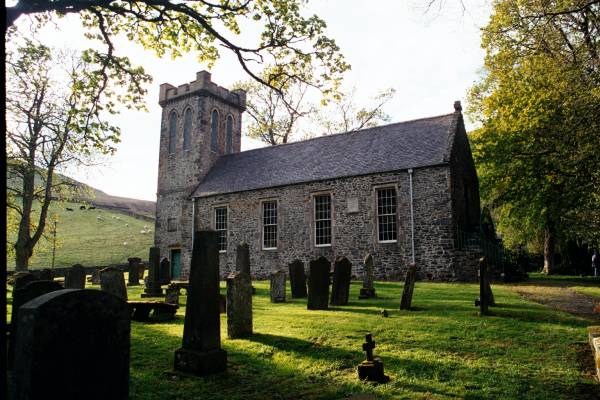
column 369, row 346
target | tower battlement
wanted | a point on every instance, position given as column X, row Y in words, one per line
column 203, row 83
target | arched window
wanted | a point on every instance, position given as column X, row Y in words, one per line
column 172, row 132
column 229, row 134
column 214, row 130
column 187, row 129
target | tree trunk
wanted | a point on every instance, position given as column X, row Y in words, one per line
column 23, row 253
column 549, row 242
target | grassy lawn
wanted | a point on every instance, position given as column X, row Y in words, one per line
column 83, row 238
column 586, row 285
column 442, row 349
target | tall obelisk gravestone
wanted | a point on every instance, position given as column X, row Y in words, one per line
column 201, row 352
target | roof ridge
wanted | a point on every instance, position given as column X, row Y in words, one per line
column 337, row 134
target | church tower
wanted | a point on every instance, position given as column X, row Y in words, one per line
column 200, row 122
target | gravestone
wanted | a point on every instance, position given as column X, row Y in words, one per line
column 172, row 295
column 486, row 297
column 96, row 277
column 201, row 353
column 297, row 279
column 21, row 279
column 45, row 274
column 75, row 277
column 165, row 272
column 372, row 368
column 409, row 286
column 367, row 291
column 142, row 270
column 342, row 273
column 278, row 287
column 242, row 259
column 239, row 305
column 133, row 271
column 65, row 339
column 318, row 284
column 153, row 288
column 21, row 296
column 113, row 282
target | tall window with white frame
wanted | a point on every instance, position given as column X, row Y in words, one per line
column 269, row 225
column 322, row 220
column 386, row 215
column 221, row 226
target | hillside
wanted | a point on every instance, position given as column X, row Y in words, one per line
column 89, row 195
column 92, row 237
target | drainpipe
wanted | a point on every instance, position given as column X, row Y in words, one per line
column 412, row 214
column 193, row 220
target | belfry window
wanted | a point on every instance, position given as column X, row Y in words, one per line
column 229, row 134
column 187, row 129
column 214, row 130
column 172, row 132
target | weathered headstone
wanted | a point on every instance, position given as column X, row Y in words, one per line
column 67, row 337
column 318, row 284
column 242, row 262
column 133, row 271
column 153, row 288
column 278, row 287
column 45, row 274
column 367, row 291
column 201, row 351
column 142, row 270
column 486, row 298
column 409, row 286
column 22, row 295
column 372, row 368
column 75, row 277
column 242, row 259
column 165, row 272
column 21, row 279
column 342, row 273
column 112, row 281
column 297, row 279
column 172, row 295
column 239, row 305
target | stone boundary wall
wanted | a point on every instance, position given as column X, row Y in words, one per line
column 60, row 272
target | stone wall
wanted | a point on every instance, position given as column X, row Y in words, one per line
column 354, row 233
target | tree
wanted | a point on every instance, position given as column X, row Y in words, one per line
column 291, row 43
column 343, row 115
column 275, row 114
column 57, row 104
column 538, row 103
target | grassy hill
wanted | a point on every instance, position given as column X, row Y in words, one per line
column 92, row 237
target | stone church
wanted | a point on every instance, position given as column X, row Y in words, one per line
column 400, row 192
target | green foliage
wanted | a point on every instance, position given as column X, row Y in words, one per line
column 295, row 45
column 538, row 103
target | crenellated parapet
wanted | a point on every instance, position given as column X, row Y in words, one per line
column 202, row 86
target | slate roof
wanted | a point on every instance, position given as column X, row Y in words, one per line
column 399, row 146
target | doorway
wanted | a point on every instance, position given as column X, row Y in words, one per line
column 175, row 264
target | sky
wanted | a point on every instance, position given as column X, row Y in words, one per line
column 430, row 57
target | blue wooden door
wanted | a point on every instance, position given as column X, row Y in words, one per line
column 175, row 264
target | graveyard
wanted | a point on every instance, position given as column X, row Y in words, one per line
column 439, row 348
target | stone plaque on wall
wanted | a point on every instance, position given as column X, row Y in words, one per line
column 352, row 204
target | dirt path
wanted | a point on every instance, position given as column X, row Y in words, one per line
column 559, row 297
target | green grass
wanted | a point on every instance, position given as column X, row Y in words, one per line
column 83, row 239
column 586, row 285
column 440, row 350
